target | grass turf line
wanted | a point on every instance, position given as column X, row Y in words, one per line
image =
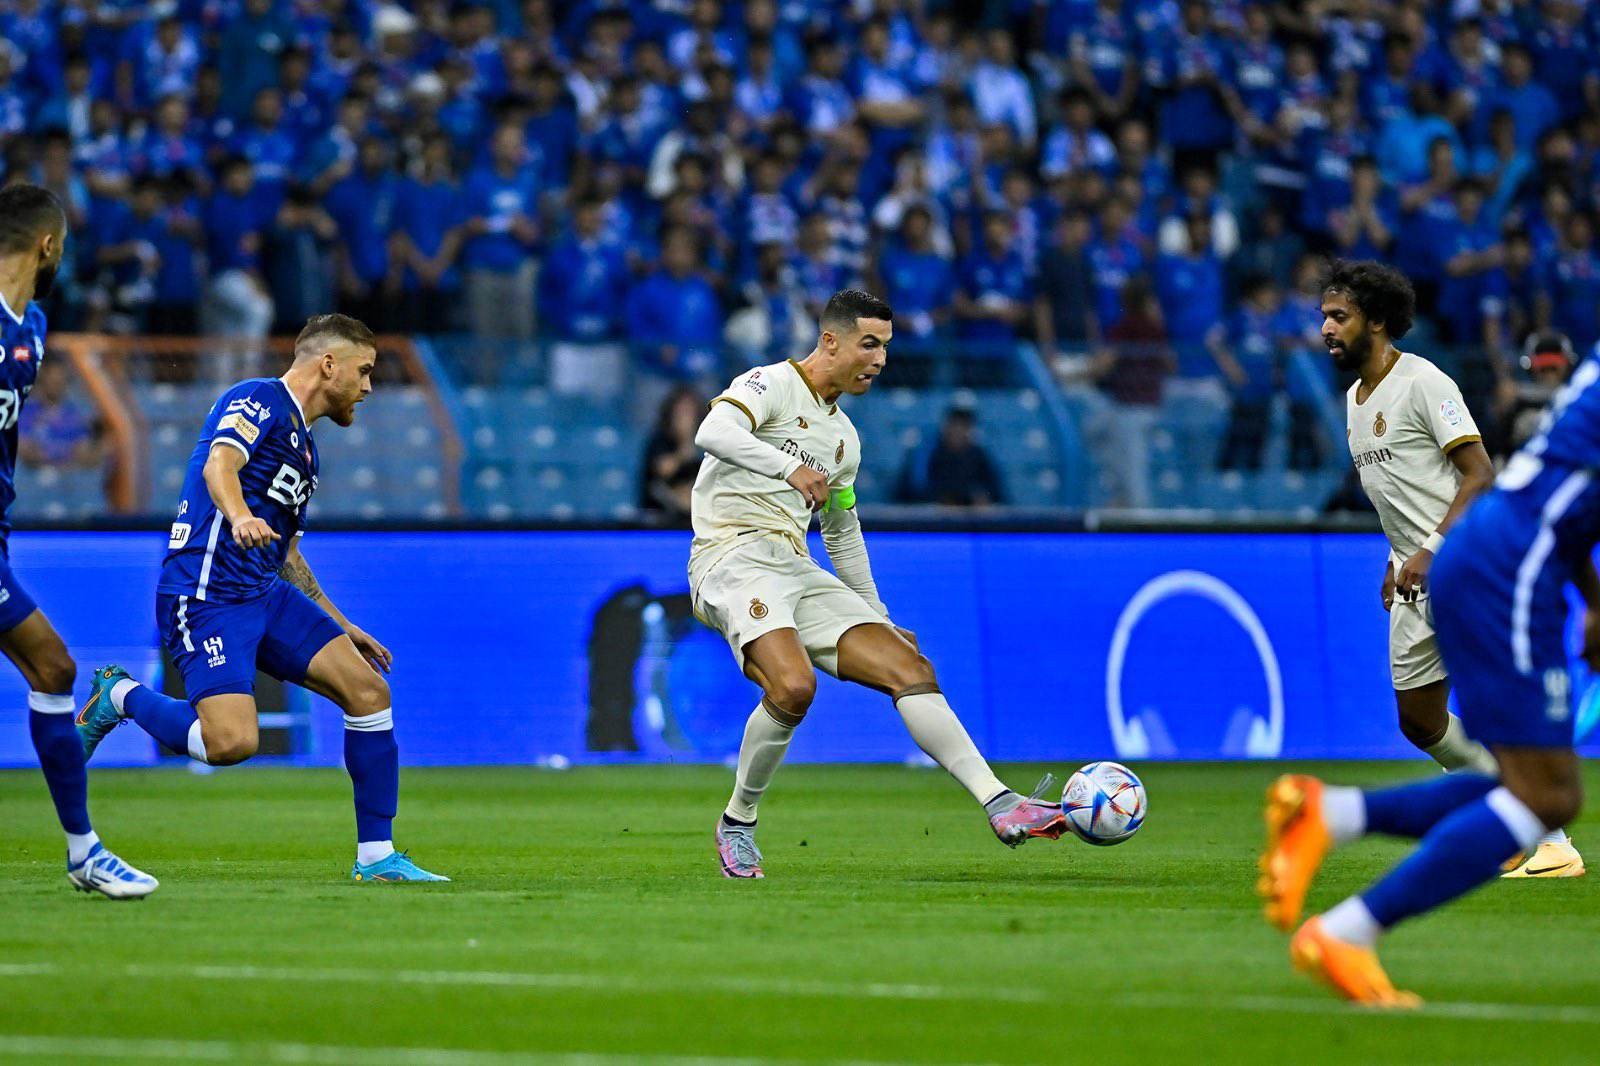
column 588, row 918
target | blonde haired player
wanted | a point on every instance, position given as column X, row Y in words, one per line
column 1422, row 463
column 779, row 449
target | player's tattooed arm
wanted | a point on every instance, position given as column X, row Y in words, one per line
column 297, row 572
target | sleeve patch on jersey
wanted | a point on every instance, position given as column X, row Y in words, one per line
column 241, row 425
column 1450, row 411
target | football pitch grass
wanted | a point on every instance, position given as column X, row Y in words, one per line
column 588, row 924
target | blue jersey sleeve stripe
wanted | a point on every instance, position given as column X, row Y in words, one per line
column 232, row 442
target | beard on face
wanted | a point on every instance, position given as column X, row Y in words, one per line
column 45, row 279
column 1352, row 356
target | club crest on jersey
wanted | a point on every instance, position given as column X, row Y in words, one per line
column 1379, row 426
column 22, row 353
column 255, row 410
column 803, row 423
column 758, row 610
column 838, row 453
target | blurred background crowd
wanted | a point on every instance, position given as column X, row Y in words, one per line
column 585, row 196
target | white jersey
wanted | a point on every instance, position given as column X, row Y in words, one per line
column 785, row 412
column 1401, row 438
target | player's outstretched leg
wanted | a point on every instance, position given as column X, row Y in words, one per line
column 371, row 756
column 115, row 697
column 880, row 657
column 37, row 650
column 779, row 664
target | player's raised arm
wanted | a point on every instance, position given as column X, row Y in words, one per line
column 222, row 482
column 728, row 433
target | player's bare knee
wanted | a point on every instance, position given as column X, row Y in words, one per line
column 791, row 695
column 912, row 675
column 227, row 747
column 57, row 672
column 367, row 696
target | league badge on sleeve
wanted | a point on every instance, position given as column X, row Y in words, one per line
column 1450, row 411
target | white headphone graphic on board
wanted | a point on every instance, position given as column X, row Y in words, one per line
column 1144, row 735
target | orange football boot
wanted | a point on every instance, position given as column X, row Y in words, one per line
column 1297, row 841
column 1349, row 969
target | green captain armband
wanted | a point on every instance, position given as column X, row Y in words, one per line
column 841, row 499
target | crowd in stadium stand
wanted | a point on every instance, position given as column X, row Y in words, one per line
column 674, row 174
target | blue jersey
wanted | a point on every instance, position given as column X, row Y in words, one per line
column 1551, row 484
column 263, row 420
column 21, row 352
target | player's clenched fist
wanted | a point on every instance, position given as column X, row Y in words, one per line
column 253, row 533
column 812, row 485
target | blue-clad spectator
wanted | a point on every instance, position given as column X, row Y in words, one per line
column 1365, row 227
column 301, row 260
column 916, row 281
column 1405, row 143
column 36, row 34
column 1104, row 58
column 759, row 91
column 268, row 146
column 1564, row 54
column 768, row 215
column 474, row 41
column 427, row 214
column 1075, row 144
column 1000, row 92
column 363, row 205
column 1115, row 258
column 1503, row 166
column 839, row 201
column 627, row 137
column 169, row 146
column 1516, row 294
column 1573, row 280
column 994, row 295
column 13, row 100
column 1471, row 77
column 213, row 127
column 1469, row 251
column 332, row 156
column 237, row 302
column 1258, row 69
column 1190, row 286
column 583, row 308
column 820, row 100
column 178, row 239
column 69, row 109
column 816, row 270
column 674, row 316
column 502, row 231
column 761, row 23
column 1328, row 153
column 552, row 126
column 1386, row 93
column 703, row 30
column 306, row 113
column 104, row 158
column 248, row 53
column 1427, row 209
column 161, row 59
column 1246, row 350
column 1531, row 105
column 1194, row 70
column 127, row 256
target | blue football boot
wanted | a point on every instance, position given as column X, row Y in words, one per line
column 100, row 716
column 396, row 866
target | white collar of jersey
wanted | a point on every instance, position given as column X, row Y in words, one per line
column 14, row 316
column 296, row 401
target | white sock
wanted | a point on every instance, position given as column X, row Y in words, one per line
column 79, row 845
column 119, row 692
column 1556, row 836
column 939, row 733
column 197, row 743
column 1523, row 825
column 1344, row 810
column 1457, row 751
column 765, row 741
column 1351, row 922
column 371, row 851
column 51, row 703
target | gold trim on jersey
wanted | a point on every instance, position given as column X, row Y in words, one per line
column 1469, row 438
column 740, row 406
column 809, row 387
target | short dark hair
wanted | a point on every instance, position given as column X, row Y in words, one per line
column 334, row 327
column 847, row 306
column 1380, row 292
column 28, row 212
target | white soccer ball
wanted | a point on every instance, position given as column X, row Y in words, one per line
column 1104, row 803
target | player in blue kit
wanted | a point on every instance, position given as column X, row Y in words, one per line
column 236, row 595
column 1500, row 611
column 33, row 233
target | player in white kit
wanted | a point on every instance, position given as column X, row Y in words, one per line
column 1422, row 462
column 778, row 449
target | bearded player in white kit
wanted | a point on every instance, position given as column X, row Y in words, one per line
column 1421, row 462
column 779, row 449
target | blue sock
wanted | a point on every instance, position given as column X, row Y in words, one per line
column 55, row 738
column 166, row 719
column 1412, row 810
column 1462, row 852
column 373, row 759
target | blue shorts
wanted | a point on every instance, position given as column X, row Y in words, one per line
column 15, row 603
column 1506, row 653
column 218, row 647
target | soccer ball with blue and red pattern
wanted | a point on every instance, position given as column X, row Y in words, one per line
column 1104, row 803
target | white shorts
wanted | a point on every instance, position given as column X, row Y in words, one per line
column 766, row 585
column 1414, row 658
